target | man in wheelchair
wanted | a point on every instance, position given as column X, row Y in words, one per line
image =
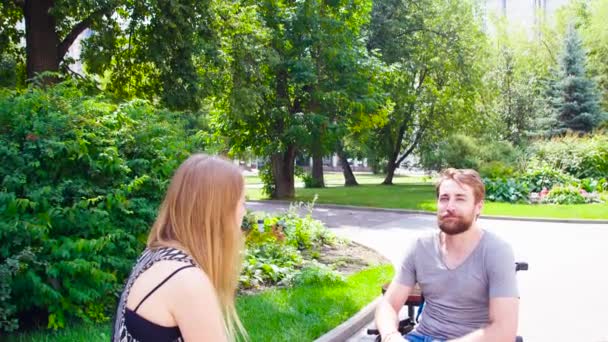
column 466, row 274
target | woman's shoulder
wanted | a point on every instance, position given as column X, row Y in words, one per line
column 190, row 283
column 170, row 260
column 167, row 253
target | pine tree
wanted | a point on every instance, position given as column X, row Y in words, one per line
column 573, row 97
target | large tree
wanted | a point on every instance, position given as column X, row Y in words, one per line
column 574, row 96
column 589, row 18
column 50, row 27
column 144, row 48
column 295, row 81
column 432, row 48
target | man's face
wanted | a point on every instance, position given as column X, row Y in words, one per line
column 456, row 207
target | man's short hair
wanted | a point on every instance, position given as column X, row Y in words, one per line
column 469, row 177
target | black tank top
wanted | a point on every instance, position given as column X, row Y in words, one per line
column 128, row 325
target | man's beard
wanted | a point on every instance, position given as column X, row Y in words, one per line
column 454, row 224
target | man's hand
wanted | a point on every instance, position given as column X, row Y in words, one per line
column 387, row 319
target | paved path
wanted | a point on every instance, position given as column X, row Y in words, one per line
column 564, row 295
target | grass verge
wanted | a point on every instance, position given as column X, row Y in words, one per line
column 422, row 197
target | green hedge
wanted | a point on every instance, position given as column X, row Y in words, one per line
column 492, row 159
column 81, row 178
column 582, row 157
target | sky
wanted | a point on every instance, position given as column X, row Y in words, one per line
column 522, row 11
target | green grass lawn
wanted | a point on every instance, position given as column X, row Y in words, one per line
column 411, row 194
column 297, row 314
column 333, row 179
column 305, row 313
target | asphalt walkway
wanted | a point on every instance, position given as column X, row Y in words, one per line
column 564, row 295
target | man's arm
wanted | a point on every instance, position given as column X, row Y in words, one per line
column 387, row 318
column 503, row 323
column 387, row 312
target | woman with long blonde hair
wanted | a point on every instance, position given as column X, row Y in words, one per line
column 182, row 287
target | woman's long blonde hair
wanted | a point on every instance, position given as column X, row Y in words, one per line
column 198, row 215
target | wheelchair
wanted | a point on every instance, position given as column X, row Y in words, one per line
column 415, row 306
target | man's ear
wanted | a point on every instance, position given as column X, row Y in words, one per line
column 478, row 208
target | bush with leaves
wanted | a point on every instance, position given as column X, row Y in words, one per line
column 541, row 176
column 594, row 185
column 564, row 195
column 304, row 232
column 571, row 195
column 492, row 158
column 267, row 178
column 497, row 169
column 506, row 190
column 275, row 254
column 310, row 182
column 315, row 273
column 268, row 263
column 81, row 179
column 581, row 157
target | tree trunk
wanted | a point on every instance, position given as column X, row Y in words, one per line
column 390, row 170
column 317, row 169
column 392, row 162
column 349, row 177
column 283, row 172
column 41, row 39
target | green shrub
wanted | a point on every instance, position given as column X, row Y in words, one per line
column 459, row 151
column 304, row 232
column 581, row 157
column 506, row 190
column 267, row 178
column 81, row 178
column 268, row 263
column 538, row 177
column 602, row 184
column 315, row 273
column 310, row 182
column 249, row 221
column 496, row 169
column 564, row 195
column 492, row 158
column 274, row 255
column 593, row 185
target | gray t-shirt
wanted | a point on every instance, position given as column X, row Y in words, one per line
column 457, row 300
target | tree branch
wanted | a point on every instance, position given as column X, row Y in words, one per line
column 418, row 137
column 549, row 50
column 79, row 28
column 412, row 147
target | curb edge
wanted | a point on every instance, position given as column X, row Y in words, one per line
column 348, row 328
